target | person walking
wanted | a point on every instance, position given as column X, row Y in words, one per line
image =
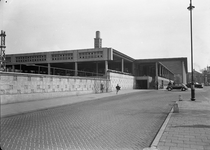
column 117, row 88
column 102, row 88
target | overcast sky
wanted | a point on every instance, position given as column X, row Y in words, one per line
column 140, row 29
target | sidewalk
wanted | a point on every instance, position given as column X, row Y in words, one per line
column 24, row 107
column 189, row 129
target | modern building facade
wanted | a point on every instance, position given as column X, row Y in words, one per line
column 152, row 74
column 97, row 61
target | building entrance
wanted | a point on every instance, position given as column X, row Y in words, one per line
column 141, row 84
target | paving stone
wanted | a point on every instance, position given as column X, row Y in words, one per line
column 197, row 147
column 171, row 144
column 183, row 145
column 177, row 141
column 163, row 148
column 122, row 123
column 176, row 148
column 189, row 149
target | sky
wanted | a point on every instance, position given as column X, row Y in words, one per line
column 141, row 29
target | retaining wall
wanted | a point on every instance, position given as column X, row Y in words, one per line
column 162, row 83
column 18, row 87
column 125, row 81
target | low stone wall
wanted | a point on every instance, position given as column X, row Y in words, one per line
column 125, row 81
column 18, row 87
column 162, row 83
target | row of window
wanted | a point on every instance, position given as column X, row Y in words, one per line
column 89, row 55
column 67, row 56
column 30, row 58
column 55, row 57
column 8, row 59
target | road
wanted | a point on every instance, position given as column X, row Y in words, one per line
column 120, row 122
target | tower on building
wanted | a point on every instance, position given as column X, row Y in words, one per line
column 97, row 40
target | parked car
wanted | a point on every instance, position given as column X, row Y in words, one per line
column 180, row 86
column 196, row 84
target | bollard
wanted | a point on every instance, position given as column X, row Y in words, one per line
column 180, row 98
column 176, row 108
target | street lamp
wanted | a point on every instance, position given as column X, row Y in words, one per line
column 190, row 8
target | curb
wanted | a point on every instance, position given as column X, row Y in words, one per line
column 160, row 132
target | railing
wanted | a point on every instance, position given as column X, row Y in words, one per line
column 38, row 69
column 119, row 72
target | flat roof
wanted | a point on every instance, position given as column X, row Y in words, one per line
column 184, row 59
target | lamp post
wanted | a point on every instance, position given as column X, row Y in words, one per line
column 190, row 8
column 2, row 51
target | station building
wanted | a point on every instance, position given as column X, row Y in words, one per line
column 99, row 62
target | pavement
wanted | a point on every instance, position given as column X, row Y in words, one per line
column 25, row 107
column 187, row 126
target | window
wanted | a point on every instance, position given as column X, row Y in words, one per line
column 8, row 59
column 65, row 56
column 90, row 55
column 34, row 58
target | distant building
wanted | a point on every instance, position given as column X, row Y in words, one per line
column 208, row 69
column 97, row 61
column 177, row 66
column 197, row 77
column 206, row 76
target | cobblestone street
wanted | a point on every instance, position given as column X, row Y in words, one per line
column 119, row 122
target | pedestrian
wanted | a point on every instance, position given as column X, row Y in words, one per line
column 117, row 88
column 102, row 88
column 157, row 86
